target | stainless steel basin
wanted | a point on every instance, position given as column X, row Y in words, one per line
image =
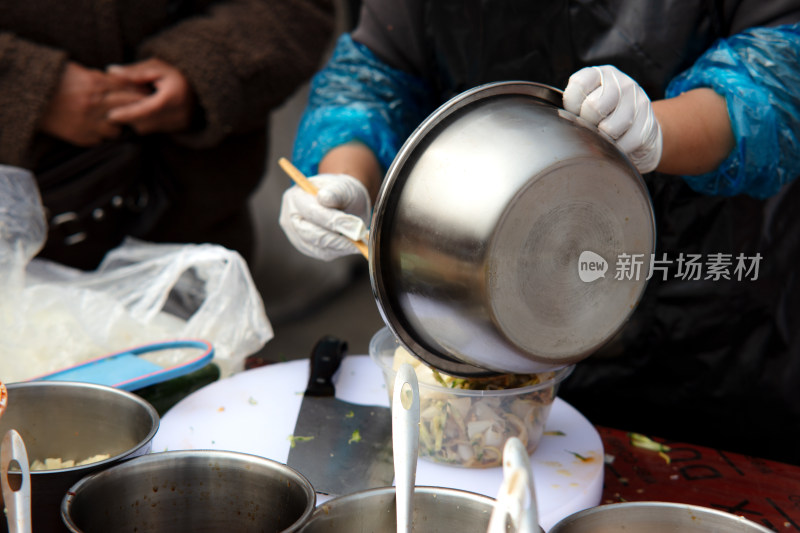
column 479, row 229
column 655, row 517
column 70, row 420
column 202, row 491
column 435, row 509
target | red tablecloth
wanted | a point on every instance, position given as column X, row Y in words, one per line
column 763, row 491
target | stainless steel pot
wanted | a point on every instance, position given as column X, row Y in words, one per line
column 434, row 509
column 67, row 420
column 201, row 491
column 654, row 517
column 478, row 234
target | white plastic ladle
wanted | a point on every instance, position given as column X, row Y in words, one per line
column 516, row 497
column 405, row 442
column 17, row 499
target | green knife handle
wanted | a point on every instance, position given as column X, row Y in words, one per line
column 326, row 357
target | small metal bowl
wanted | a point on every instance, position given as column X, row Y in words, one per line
column 434, row 509
column 191, row 490
column 70, row 420
column 479, row 229
column 655, row 517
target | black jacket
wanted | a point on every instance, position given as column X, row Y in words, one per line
column 242, row 58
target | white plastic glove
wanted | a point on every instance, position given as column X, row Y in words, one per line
column 619, row 107
column 321, row 226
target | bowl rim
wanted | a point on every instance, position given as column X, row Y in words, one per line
column 385, row 335
column 177, row 455
column 425, row 490
column 155, row 419
column 655, row 505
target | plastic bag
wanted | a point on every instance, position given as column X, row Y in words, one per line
column 54, row 316
column 22, row 225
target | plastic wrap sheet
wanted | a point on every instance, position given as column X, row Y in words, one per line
column 357, row 97
column 758, row 73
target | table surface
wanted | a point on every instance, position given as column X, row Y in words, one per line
column 254, row 412
column 766, row 492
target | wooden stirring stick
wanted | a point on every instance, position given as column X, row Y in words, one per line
column 309, row 187
column 3, row 398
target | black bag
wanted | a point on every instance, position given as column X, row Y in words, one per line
column 95, row 197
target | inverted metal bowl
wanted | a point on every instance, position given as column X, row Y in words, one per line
column 68, row 420
column 192, row 490
column 480, row 225
column 434, row 509
column 655, row 517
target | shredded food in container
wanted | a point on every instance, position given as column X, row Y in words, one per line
column 471, row 430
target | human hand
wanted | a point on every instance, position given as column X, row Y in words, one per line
column 619, row 107
column 169, row 104
column 78, row 111
column 324, row 226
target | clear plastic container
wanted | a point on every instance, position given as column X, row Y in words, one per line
column 468, row 427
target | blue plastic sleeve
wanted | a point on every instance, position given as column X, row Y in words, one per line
column 357, row 97
column 758, row 73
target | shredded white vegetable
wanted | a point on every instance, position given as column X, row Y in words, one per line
column 471, row 431
column 56, row 463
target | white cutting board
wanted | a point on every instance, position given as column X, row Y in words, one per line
column 255, row 412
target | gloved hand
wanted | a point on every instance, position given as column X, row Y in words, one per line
column 321, row 226
column 619, row 107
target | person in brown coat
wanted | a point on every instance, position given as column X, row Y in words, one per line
column 149, row 117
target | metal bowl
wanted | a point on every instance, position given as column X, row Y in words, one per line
column 654, row 517
column 479, row 229
column 195, row 490
column 68, row 420
column 434, row 509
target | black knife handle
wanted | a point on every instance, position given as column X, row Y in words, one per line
column 326, row 357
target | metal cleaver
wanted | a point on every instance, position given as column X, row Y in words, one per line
column 339, row 446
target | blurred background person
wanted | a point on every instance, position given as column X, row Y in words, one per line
column 149, row 118
column 710, row 361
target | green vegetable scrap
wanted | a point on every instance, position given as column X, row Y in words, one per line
column 294, row 439
column 439, row 379
column 579, row 456
column 642, row 441
column 355, row 437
